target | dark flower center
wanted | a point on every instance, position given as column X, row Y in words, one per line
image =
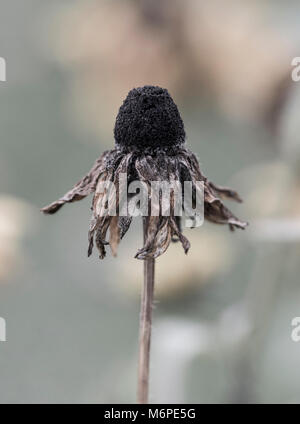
column 148, row 117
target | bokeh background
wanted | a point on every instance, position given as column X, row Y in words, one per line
column 222, row 317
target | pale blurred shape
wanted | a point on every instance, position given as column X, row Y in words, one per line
column 290, row 142
column 277, row 230
column 105, row 63
column 178, row 341
column 269, row 188
column 240, row 56
column 231, row 53
column 15, row 222
column 210, row 255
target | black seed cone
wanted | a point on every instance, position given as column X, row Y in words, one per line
column 148, row 117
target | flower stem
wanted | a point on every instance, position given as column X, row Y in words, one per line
column 145, row 327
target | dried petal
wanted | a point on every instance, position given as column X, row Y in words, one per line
column 225, row 192
column 83, row 188
column 158, row 238
column 114, row 239
column 103, row 225
column 124, row 224
column 184, row 241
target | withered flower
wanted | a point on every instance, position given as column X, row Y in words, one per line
column 149, row 146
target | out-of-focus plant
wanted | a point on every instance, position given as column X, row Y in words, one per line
column 15, row 223
column 233, row 54
column 211, row 255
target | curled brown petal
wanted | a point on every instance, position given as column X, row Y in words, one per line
column 114, row 238
column 184, row 241
column 124, row 224
column 214, row 210
column 158, row 238
column 225, row 192
column 217, row 213
column 100, row 237
column 83, row 188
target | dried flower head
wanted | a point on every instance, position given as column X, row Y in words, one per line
column 149, row 146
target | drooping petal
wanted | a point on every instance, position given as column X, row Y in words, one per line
column 158, row 238
column 83, row 188
column 100, row 237
column 99, row 226
column 176, row 230
column 106, row 208
column 124, row 224
column 114, row 238
column 98, row 220
column 214, row 210
column 225, row 192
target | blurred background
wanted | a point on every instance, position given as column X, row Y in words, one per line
column 222, row 317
